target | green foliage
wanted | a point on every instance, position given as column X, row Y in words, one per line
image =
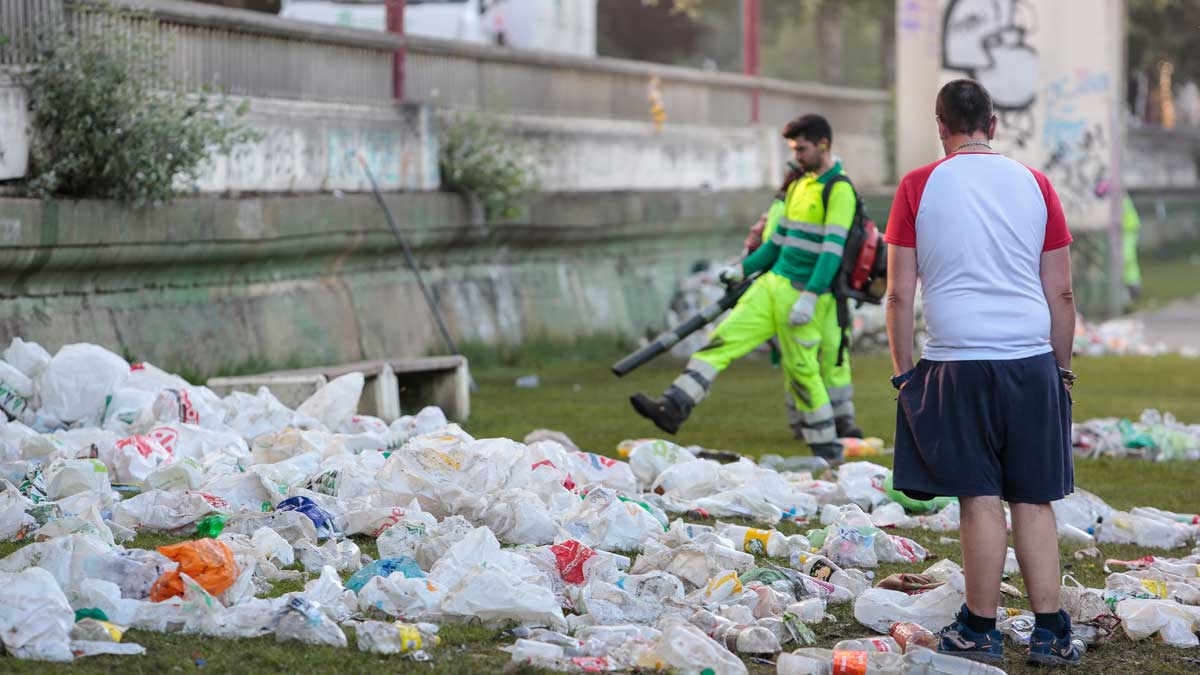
column 109, row 123
column 1164, row 30
column 486, row 162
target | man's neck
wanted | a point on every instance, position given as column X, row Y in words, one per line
column 826, row 164
column 976, row 140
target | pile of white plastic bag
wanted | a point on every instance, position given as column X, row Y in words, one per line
column 1155, row 436
column 588, row 555
column 1121, row 336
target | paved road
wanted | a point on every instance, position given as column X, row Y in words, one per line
column 1177, row 325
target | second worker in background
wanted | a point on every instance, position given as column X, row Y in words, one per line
column 792, row 300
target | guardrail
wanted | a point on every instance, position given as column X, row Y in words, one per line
column 252, row 54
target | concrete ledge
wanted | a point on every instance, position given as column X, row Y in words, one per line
column 209, row 285
column 391, row 386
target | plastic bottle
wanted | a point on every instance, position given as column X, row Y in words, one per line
column 770, row 543
column 828, row 662
column 910, row 635
column 795, row 463
column 810, row 610
column 815, row 566
column 1075, row 535
column 736, row 637
column 929, row 662
column 869, row 644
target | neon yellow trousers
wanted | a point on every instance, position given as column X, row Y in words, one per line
column 817, row 389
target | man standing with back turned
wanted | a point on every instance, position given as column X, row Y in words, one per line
column 986, row 414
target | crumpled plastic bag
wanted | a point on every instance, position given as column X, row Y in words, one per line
column 28, row 357
column 384, row 567
column 208, row 561
column 16, row 392
column 589, row 468
column 399, row 596
column 158, row 510
column 694, row 563
column 66, row 477
column 606, row 521
column 336, row 402
column 878, row 608
column 649, row 457
column 863, row 483
column 685, row 648
column 343, row 555
column 77, row 381
column 136, row 457
column 301, row 619
column 322, row 520
column 1175, row 623
column 252, row 416
column 35, row 618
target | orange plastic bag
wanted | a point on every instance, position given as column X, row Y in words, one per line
column 208, row 561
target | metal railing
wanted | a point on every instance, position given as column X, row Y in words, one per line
column 253, row 54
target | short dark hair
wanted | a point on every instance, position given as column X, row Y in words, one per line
column 811, row 126
column 964, row 106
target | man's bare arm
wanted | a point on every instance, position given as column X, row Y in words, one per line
column 902, row 289
column 1056, row 284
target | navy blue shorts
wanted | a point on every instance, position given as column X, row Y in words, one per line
column 974, row 428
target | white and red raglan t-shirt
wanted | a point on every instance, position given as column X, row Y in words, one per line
column 980, row 223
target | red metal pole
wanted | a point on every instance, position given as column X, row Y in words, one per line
column 750, row 50
column 395, row 25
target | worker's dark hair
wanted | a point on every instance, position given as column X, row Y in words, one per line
column 811, row 126
column 964, row 106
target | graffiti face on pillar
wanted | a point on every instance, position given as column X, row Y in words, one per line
column 987, row 41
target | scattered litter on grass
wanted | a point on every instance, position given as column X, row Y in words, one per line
column 1155, row 436
column 590, row 556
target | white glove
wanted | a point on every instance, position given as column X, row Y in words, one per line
column 802, row 311
column 731, row 274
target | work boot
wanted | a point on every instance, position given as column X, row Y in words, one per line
column 846, row 428
column 830, row 452
column 664, row 412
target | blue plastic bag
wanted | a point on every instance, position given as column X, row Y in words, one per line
column 321, row 518
column 384, row 568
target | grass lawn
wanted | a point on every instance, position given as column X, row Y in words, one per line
column 1169, row 274
column 746, row 414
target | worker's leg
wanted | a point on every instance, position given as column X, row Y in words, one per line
column 810, row 411
column 836, row 376
column 748, row 325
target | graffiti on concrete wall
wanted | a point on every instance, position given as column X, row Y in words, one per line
column 1077, row 145
column 988, row 41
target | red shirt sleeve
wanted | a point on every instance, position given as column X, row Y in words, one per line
column 901, row 227
column 1057, row 235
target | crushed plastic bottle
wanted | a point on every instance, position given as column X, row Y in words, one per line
column 740, row 638
column 908, row 635
column 770, row 543
column 815, row 661
column 929, row 662
column 795, row 463
column 869, row 644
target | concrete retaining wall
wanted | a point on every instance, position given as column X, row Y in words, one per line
column 210, row 285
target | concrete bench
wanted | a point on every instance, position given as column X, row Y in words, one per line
column 391, row 385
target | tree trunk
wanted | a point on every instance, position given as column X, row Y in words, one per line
column 830, row 41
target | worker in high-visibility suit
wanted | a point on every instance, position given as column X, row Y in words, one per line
column 1131, row 227
column 792, row 300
